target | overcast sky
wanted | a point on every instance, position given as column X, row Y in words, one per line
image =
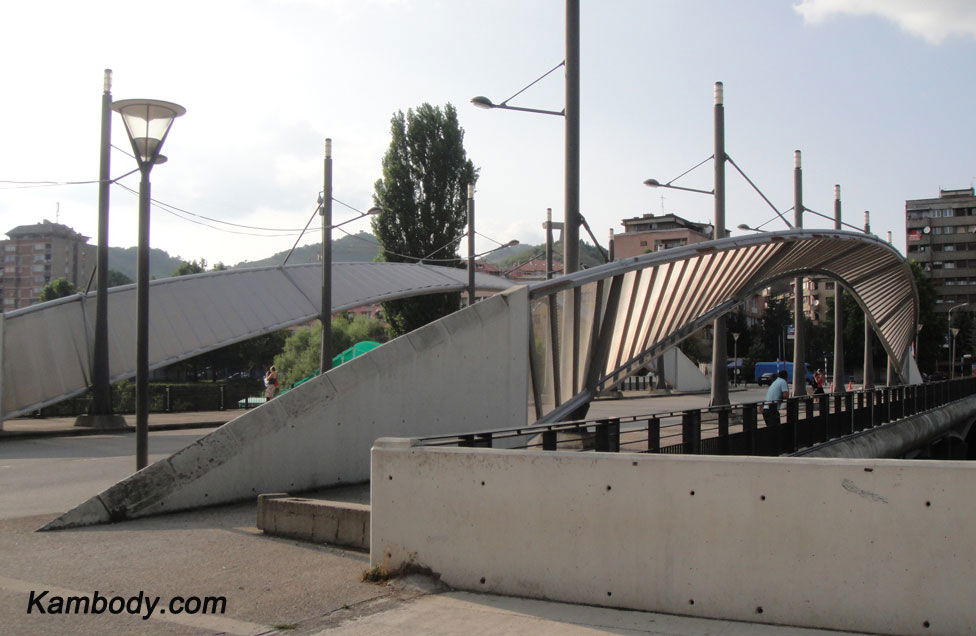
column 878, row 94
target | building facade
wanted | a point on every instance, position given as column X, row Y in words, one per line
column 34, row 255
column 650, row 233
column 941, row 236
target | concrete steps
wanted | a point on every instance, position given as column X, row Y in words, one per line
column 335, row 517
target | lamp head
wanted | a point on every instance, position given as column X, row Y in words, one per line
column 373, row 211
column 147, row 122
column 482, row 102
column 652, row 183
column 743, row 226
column 512, row 243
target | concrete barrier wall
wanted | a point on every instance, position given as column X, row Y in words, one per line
column 472, row 365
column 883, row 546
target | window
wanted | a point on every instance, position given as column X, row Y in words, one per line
column 643, row 243
column 9, row 248
column 37, row 268
column 38, row 246
column 10, row 258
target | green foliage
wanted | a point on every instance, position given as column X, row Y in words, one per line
column 247, row 355
column 299, row 356
column 190, row 267
column 118, row 278
column 934, row 326
column 423, row 201
column 57, row 288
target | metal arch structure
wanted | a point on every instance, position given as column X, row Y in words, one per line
column 47, row 348
column 591, row 329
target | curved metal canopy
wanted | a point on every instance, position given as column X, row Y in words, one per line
column 593, row 328
column 47, row 348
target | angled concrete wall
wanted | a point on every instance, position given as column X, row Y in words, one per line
column 879, row 546
column 467, row 371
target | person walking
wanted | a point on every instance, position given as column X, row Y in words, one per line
column 819, row 378
column 271, row 383
column 778, row 389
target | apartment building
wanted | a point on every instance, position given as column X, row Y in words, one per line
column 650, row 233
column 941, row 236
column 34, row 255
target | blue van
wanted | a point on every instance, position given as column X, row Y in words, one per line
column 766, row 371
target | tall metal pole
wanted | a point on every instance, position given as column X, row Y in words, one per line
column 572, row 180
column 720, row 348
column 470, row 244
column 102, row 398
column 839, row 384
column 142, row 322
column 325, row 313
column 549, row 243
column 610, row 254
column 799, row 370
column 868, row 332
column 891, row 372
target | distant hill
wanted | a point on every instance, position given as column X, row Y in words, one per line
column 589, row 255
column 508, row 253
column 357, row 248
column 123, row 260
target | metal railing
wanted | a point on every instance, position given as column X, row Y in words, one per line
column 737, row 429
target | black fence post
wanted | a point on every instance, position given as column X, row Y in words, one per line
column 607, row 437
column 723, row 429
column 849, row 407
column 223, row 396
column 788, row 433
column 653, row 435
column 548, row 440
column 749, row 427
column 691, row 432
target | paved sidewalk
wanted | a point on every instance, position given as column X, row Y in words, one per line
column 27, row 427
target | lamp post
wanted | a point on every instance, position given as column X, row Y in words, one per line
column 839, row 385
column 470, row 244
column 955, row 332
column 735, row 356
column 325, row 308
column 868, row 332
column 570, row 114
column 101, row 409
column 799, row 341
column 147, row 123
column 720, row 371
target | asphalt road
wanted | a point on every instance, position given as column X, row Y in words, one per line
column 54, row 474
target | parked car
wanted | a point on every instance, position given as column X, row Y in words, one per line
column 766, row 378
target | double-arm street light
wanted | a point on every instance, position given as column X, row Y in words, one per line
column 147, row 123
column 570, row 113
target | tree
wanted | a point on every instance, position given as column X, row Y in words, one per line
column 423, row 200
column 57, row 288
column 299, row 356
column 116, row 278
column 190, row 267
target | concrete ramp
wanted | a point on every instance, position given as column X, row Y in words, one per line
column 683, row 374
column 467, row 371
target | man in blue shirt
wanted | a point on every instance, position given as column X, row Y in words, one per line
column 778, row 390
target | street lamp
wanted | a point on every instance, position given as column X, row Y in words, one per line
column 570, row 114
column 654, row 183
column 147, row 123
column 735, row 356
column 743, row 226
column 955, row 332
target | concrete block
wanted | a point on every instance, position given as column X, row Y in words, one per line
column 315, row 520
column 265, row 519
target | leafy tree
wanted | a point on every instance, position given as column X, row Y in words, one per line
column 116, row 278
column 423, row 201
column 190, row 267
column 299, row 355
column 57, row 288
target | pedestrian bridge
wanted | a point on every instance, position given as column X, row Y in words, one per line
column 47, row 348
column 530, row 354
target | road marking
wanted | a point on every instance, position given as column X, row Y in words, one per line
column 217, row 624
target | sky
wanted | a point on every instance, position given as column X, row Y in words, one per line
column 877, row 94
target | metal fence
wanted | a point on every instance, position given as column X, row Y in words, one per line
column 738, row 429
column 163, row 398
